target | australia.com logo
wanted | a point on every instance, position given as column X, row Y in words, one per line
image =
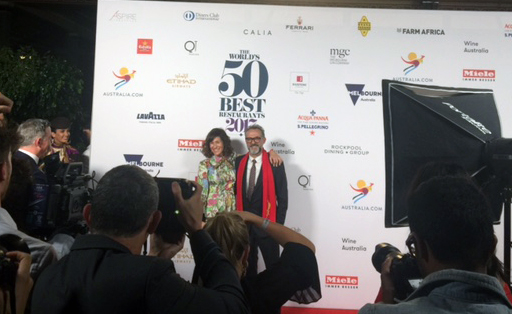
column 185, row 145
column 122, row 78
column 136, row 160
column 343, row 282
column 193, row 16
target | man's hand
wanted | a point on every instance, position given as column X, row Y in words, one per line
column 191, row 210
column 24, row 282
column 275, row 159
column 388, row 288
column 160, row 248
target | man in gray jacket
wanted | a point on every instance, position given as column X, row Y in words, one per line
column 452, row 239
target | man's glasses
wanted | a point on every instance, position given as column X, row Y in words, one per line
column 253, row 139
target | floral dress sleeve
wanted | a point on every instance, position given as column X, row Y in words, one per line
column 202, row 179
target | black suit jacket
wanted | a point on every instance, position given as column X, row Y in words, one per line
column 255, row 204
column 37, row 174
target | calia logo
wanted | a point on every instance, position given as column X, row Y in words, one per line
column 362, row 189
column 364, row 26
column 413, row 61
column 125, row 76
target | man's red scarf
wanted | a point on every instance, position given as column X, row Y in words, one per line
column 269, row 188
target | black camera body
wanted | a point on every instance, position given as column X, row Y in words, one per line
column 170, row 229
column 404, row 268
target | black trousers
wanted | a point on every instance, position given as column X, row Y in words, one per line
column 269, row 249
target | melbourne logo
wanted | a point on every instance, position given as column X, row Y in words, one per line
column 244, row 81
column 478, row 75
column 364, row 26
column 339, row 56
column 123, row 17
column 181, row 80
column 145, row 46
column 344, row 282
column 155, row 118
column 148, row 166
column 357, row 90
column 474, row 47
column 305, row 182
column 299, row 27
column 362, row 190
column 299, row 82
column 313, row 122
column 190, row 145
column 196, row 16
column 191, row 47
column 420, row 31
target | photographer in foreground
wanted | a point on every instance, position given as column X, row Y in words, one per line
column 22, row 283
column 452, row 239
column 105, row 273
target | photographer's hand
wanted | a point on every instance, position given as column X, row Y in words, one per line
column 160, row 248
column 191, row 210
column 24, row 282
column 5, row 104
column 387, row 286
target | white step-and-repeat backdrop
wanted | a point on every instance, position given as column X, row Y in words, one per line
column 166, row 73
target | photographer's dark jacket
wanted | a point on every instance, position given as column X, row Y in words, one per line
column 451, row 291
column 102, row 276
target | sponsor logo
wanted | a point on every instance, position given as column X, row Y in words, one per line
column 184, row 256
column 305, row 182
column 153, row 118
column 299, row 82
column 474, row 47
column 191, row 47
column 346, row 150
column 280, row 148
column 357, row 90
column 123, row 17
column 364, row 26
column 344, row 282
column 420, row 31
column 362, row 190
column 479, row 75
column 313, row 122
column 181, row 80
column 412, row 63
column 123, row 77
column 508, row 30
column 299, row 27
column 196, row 16
column 349, row 244
column 148, row 166
column 257, row 32
column 145, row 46
column 190, row 145
column 244, row 81
column 339, row 56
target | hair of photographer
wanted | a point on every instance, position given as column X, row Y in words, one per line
column 452, row 225
column 9, row 142
column 124, row 205
column 226, row 141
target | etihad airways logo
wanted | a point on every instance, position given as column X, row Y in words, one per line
column 357, row 90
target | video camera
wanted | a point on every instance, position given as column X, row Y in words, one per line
column 60, row 202
column 404, row 268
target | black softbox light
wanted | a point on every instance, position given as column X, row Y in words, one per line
column 433, row 123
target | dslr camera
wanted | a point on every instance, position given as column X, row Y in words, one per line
column 404, row 268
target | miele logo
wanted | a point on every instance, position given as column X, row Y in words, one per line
column 479, row 73
column 190, row 143
column 342, row 280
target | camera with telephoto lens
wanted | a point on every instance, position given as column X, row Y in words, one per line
column 404, row 268
column 169, row 228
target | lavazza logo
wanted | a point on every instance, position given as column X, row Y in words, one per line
column 299, row 82
column 339, row 55
column 152, row 118
column 148, row 166
column 357, row 92
column 119, row 16
column 190, row 145
column 313, row 122
column 342, row 282
column 299, row 27
column 478, row 75
column 421, row 31
column 196, row 16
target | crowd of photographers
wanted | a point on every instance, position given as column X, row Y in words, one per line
column 451, row 245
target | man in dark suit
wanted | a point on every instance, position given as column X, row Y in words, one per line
column 261, row 190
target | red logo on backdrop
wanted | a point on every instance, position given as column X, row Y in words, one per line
column 300, row 78
column 144, row 46
column 479, row 73
column 190, row 143
column 342, row 280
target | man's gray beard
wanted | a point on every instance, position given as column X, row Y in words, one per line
column 255, row 150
